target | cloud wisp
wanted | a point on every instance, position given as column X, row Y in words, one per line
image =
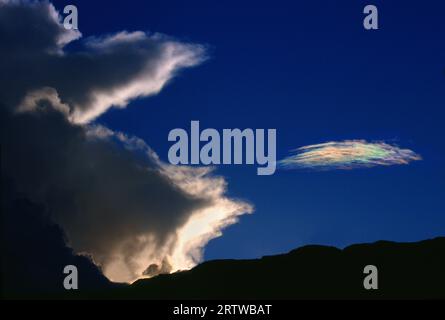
column 348, row 154
column 107, row 71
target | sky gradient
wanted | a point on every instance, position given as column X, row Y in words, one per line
column 310, row 70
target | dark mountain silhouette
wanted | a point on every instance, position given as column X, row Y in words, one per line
column 405, row 270
column 34, row 252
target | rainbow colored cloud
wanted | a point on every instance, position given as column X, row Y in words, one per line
column 348, row 154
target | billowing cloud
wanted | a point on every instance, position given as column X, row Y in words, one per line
column 348, row 154
column 106, row 72
column 115, row 200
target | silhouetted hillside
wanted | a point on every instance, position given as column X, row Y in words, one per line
column 34, row 252
column 405, row 270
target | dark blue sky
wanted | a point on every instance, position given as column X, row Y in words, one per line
column 310, row 70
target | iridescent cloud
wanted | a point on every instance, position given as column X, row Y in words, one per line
column 348, row 154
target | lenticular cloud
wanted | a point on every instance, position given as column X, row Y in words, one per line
column 348, row 154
